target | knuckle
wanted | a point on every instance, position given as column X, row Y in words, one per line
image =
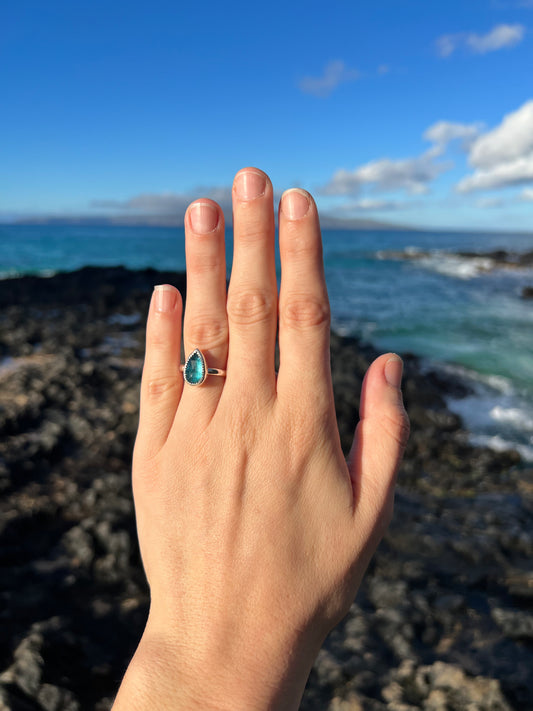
column 300, row 247
column 252, row 234
column 250, row 306
column 306, row 312
column 158, row 387
column 158, row 338
column 206, row 333
column 201, row 263
column 397, row 427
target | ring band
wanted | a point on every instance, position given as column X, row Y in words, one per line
column 195, row 370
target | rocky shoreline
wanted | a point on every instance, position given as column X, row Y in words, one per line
column 443, row 621
column 485, row 261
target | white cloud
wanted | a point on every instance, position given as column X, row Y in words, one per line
column 444, row 132
column 513, row 138
column 335, row 73
column 500, row 37
column 371, row 205
column 504, row 156
column 527, row 195
column 410, row 174
column 383, row 69
column 447, row 44
column 516, row 172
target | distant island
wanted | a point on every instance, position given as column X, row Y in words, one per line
column 328, row 222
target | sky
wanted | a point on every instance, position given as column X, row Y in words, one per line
column 410, row 112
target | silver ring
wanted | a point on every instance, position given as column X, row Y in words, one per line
column 195, row 370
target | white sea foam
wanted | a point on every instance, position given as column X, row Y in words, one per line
column 500, row 444
column 443, row 262
column 495, row 414
column 412, row 251
column 494, row 382
column 456, row 266
column 514, row 416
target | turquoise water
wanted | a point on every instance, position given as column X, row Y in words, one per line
column 445, row 309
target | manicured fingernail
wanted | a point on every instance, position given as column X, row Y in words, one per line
column 295, row 203
column 394, row 371
column 165, row 297
column 249, row 184
column 204, row 217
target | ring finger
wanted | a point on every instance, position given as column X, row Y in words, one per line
column 205, row 323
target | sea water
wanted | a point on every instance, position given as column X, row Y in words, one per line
column 406, row 291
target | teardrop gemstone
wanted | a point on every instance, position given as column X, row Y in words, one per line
column 195, row 370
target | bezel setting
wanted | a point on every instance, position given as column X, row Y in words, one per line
column 188, row 376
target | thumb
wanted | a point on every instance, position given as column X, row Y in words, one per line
column 380, row 439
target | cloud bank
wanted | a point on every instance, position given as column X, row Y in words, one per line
column 167, row 203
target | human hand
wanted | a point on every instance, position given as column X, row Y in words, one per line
column 254, row 531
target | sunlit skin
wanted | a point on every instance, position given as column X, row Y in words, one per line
column 254, row 530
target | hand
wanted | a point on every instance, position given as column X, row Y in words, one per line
column 254, row 531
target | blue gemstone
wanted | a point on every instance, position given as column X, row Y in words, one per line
column 195, row 370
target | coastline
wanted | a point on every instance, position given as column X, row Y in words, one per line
column 453, row 569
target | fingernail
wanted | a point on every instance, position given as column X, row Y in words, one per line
column 295, row 203
column 165, row 297
column 204, row 217
column 394, row 371
column 249, row 184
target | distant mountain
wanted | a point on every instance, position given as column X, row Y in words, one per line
column 328, row 222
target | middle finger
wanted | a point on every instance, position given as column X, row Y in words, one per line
column 252, row 293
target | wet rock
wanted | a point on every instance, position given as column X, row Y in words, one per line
column 53, row 698
column 443, row 687
column 516, row 624
column 26, row 671
column 450, row 584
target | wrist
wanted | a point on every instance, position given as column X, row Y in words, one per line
column 164, row 675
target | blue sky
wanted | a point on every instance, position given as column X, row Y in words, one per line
column 416, row 113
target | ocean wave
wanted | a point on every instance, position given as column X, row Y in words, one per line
column 498, row 383
column 515, row 416
column 461, row 265
column 457, row 267
column 496, row 415
column 500, row 444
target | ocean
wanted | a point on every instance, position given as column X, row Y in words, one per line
column 406, row 291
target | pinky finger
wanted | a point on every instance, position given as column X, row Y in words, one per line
column 162, row 382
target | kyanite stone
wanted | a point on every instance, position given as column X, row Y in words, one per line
column 195, row 370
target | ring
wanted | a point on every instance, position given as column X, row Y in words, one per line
column 195, row 370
